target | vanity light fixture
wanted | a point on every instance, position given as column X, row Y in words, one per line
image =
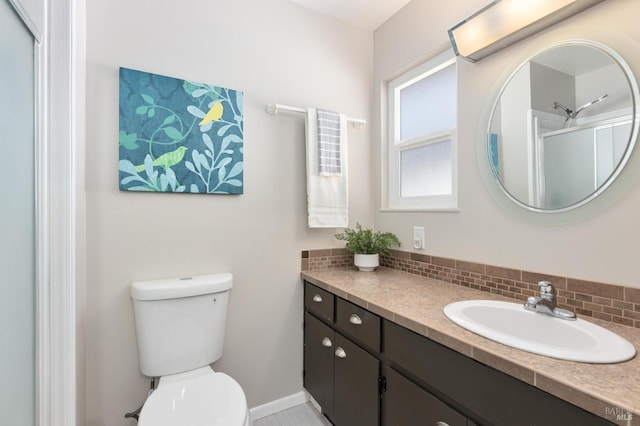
column 505, row 22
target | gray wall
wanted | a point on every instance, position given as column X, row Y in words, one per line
column 275, row 51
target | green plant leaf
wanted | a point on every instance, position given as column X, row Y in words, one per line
column 208, row 143
column 170, row 119
column 366, row 241
column 222, row 130
column 236, row 169
column 195, row 155
column 127, row 180
column 142, row 109
column 199, row 92
column 173, row 181
column 195, row 111
column 164, row 182
column 173, row 133
column 128, row 140
column 148, row 99
column 189, row 87
column 127, row 167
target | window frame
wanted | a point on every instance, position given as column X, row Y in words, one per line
column 392, row 199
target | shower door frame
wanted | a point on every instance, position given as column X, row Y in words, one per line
column 53, row 24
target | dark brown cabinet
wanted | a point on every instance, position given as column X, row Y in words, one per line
column 339, row 373
column 407, row 404
column 319, row 301
column 482, row 393
column 366, row 371
column 342, row 377
column 319, row 353
column 356, row 394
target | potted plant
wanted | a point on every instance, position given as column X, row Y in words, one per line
column 366, row 246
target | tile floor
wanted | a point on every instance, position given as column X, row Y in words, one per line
column 300, row 415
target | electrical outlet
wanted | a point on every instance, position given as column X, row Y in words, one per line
column 418, row 237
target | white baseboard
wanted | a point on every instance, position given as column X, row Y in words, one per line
column 278, row 405
column 313, row 402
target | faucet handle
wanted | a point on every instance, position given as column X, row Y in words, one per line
column 546, row 289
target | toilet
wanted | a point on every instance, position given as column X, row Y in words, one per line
column 180, row 327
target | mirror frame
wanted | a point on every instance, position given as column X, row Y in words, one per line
column 633, row 85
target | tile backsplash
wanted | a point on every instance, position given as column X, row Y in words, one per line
column 614, row 303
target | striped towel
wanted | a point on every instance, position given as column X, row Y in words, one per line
column 329, row 143
column 327, row 196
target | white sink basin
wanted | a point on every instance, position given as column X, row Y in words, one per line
column 512, row 325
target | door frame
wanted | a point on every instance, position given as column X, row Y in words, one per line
column 58, row 64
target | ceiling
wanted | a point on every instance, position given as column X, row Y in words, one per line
column 367, row 14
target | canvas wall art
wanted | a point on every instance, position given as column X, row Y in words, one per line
column 179, row 136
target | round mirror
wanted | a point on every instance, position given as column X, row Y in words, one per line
column 563, row 126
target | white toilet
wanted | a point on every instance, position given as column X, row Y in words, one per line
column 180, row 327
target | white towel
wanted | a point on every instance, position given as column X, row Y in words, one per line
column 327, row 196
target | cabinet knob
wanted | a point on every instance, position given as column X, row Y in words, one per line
column 317, row 298
column 442, row 424
column 340, row 353
column 326, row 342
column 355, row 319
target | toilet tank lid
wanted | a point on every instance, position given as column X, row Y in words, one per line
column 174, row 288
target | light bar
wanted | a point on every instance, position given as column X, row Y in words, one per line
column 505, row 22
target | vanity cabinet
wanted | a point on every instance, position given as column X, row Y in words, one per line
column 365, row 370
column 345, row 371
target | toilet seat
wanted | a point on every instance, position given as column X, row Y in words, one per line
column 199, row 397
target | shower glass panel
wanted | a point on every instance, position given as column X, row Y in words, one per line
column 578, row 162
column 17, row 221
column 568, row 168
column 611, row 143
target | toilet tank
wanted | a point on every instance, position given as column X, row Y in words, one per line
column 180, row 322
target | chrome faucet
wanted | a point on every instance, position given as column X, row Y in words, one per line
column 545, row 303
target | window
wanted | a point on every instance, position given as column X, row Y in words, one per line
column 421, row 157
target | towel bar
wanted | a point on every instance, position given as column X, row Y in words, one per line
column 276, row 108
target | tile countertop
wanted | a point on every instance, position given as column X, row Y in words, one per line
column 416, row 303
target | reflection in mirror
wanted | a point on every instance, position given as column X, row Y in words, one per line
column 563, row 126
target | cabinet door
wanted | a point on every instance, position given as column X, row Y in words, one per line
column 356, row 401
column 319, row 350
column 407, row 404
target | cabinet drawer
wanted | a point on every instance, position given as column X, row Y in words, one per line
column 318, row 301
column 358, row 323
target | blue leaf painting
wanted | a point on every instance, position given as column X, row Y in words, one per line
column 179, row 136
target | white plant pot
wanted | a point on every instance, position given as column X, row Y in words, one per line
column 366, row 262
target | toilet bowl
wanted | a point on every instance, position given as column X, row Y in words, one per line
column 196, row 398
